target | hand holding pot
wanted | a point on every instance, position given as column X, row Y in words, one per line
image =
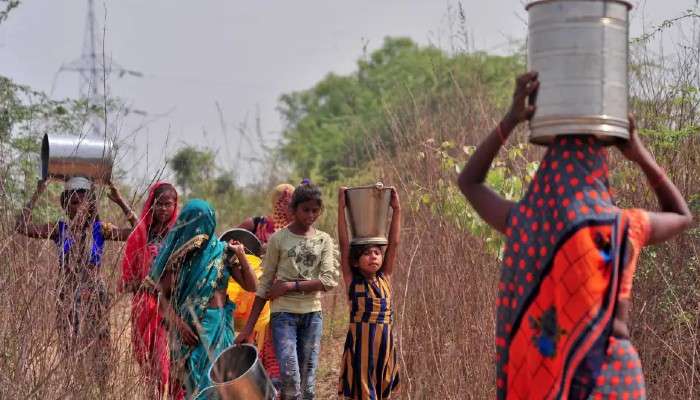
column 243, row 337
column 634, row 149
column 341, row 197
column 394, row 203
column 525, row 86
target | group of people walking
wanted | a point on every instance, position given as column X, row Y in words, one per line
column 563, row 298
column 178, row 271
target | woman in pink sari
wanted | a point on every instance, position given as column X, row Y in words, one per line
column 148, row 334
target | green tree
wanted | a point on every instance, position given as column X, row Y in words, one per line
column 332, row 127
column 192, row 166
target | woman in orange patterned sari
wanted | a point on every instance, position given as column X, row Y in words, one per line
column 568, row 263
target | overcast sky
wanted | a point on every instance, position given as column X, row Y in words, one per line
column 241, row 54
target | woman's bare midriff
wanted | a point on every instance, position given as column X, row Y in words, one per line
column 218, row 300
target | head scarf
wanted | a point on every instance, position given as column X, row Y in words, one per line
column 560, row 276
column 77, row 183
column 281, row 197
column 137, row 257
column 194, row 253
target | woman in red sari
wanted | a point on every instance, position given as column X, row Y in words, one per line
column 568, row 263
column 149, row 336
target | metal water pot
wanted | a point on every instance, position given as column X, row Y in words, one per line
column 368, row 213
column 64, row 156
column 580, row 49
column 238, row 374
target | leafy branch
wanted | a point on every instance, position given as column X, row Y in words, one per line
column 690, row 13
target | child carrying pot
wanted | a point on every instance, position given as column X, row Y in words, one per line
column 369, row 367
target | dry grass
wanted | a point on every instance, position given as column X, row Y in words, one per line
column 447, row 281
column 444, row 293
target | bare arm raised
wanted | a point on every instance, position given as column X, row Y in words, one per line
column 394, row 235
column 488, row 204
column 675, row 215
column 343, row 240
column 24, row 223
column 117, row 233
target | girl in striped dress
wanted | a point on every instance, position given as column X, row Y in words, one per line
column 369, row 366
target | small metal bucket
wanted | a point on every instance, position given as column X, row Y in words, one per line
column 368, row 213
column 64, row 156
column 580, row 50
column 237, row 374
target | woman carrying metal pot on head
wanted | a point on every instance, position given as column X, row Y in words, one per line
column 83, row 300
column 568, row 262
column 190, row 276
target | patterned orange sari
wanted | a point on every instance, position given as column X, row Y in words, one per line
column 562, row 270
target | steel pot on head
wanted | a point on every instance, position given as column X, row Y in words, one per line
column 64, row 156
column 368, row 213
column 237, row 374
column 580, row 50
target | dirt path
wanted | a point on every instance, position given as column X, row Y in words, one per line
column 334, row 331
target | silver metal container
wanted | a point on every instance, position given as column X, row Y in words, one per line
column 237, row 374
column 368, row 213
column 580, row 50
column 246, row 238
column 64, row 156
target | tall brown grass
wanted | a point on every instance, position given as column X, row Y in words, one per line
column 33, row 361
column 446, row 285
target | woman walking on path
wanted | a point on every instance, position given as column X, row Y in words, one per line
column 148, row 334
column 190, row 275
column 83, row 300
column 299, row 264
column 369, row 368
column 569, row 259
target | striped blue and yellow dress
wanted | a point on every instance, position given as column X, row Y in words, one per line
column 370, row 368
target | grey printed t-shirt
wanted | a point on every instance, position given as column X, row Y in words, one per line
column 290, row 257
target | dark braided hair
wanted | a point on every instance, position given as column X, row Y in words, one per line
column 306, row 191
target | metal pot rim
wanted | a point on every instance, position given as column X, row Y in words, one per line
column 538, row 2
column 211, row 369
column 369, row 187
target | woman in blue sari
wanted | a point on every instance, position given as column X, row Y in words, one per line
column 190, row 274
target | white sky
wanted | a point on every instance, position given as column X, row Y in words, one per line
column 241, row 54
